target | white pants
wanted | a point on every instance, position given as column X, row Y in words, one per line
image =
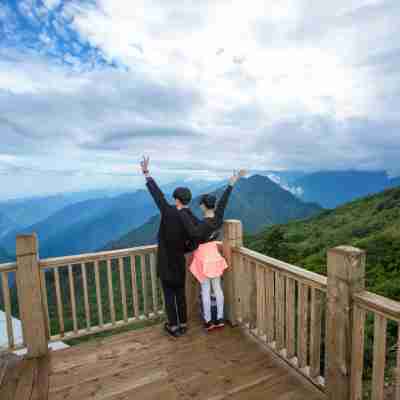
column 206, row 297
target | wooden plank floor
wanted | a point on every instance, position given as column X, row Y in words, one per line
column 147, row 364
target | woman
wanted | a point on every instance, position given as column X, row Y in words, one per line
column 208, row 265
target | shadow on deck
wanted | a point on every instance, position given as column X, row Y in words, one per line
column 147, row 364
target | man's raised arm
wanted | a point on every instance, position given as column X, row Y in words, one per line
column 151, row 184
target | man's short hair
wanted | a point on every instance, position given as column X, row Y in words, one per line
column 209, row 201
column 183, row 194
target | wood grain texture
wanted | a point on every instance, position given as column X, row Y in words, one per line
column 135, row 296
column 315, row 332
column 154, row 288
column 302, row 331
column 60, row 308
column 123, row 288
column 357, row 364
column 86, row 297
column 149, row 365
column 145, row 294
column 7, row 308
column 98, row 293
column 379, row 357
column 270, row 291
column 110, row 292
column 290, row 318
column 280, row 311
column 30, row 299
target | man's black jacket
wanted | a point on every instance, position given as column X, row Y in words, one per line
column 172, row 239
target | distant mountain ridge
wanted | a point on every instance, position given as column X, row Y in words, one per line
column 334, row 188
column 6, row 225
column 257, row 201
column 29, row 211
column 4, row 257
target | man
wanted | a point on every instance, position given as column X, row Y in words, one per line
column 172, row 245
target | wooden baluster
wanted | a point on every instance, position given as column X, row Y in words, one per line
column 98, row 293
column 123, row 288
column 379, row 361
column 153, row 273
column 7, row 308
column 237, row 262
column 249, row 292
column 357, row 364
column 397, row 390
column 264, row 302
column 260, row 300
column 270, row 286
column 143, row 270
column 280, row 311
column 60, row 310
column 290, row 317
column 316, row 331
column 86, row 296
column 135, row 297
column 110, row 292
column 73, row 298
column 244, row 284
column 43, row 288
column 252, row 288
column 302, row 332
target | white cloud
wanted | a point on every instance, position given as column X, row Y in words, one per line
column 206, row 86
column 50, row 4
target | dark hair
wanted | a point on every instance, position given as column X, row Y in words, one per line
column 209, row 201
column 183, row 194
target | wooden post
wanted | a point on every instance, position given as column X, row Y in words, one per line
column 233, row 237
column 346, row 276
column 31, row 305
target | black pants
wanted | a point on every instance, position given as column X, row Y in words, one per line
column 175, row 303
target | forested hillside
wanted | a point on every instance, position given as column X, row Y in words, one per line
column 372, row 223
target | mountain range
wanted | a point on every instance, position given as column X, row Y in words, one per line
column 256, row 201
column 86, row 221
column 86, row 226
column 28, row 211
column 333, row 188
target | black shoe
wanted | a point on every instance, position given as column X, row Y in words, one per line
column 209, row 326
column 219, row 323
column 173, row 332
column 183, row 330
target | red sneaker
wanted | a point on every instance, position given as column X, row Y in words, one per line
column 209, row 326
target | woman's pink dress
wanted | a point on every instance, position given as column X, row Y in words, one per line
column 207, row 262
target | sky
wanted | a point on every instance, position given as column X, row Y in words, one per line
column 202, row 87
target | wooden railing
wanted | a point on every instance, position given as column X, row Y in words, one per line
column 9, row 306
column 284, row 307
column 317, row 324
column 100, row 291
column 68, row 297
column 384, row 313
column 330, row 329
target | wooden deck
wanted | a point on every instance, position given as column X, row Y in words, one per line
column 147, row 364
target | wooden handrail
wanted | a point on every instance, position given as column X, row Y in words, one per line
column 8, row 267
column 91, row 257
column 316, row 280
column 378, row 304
